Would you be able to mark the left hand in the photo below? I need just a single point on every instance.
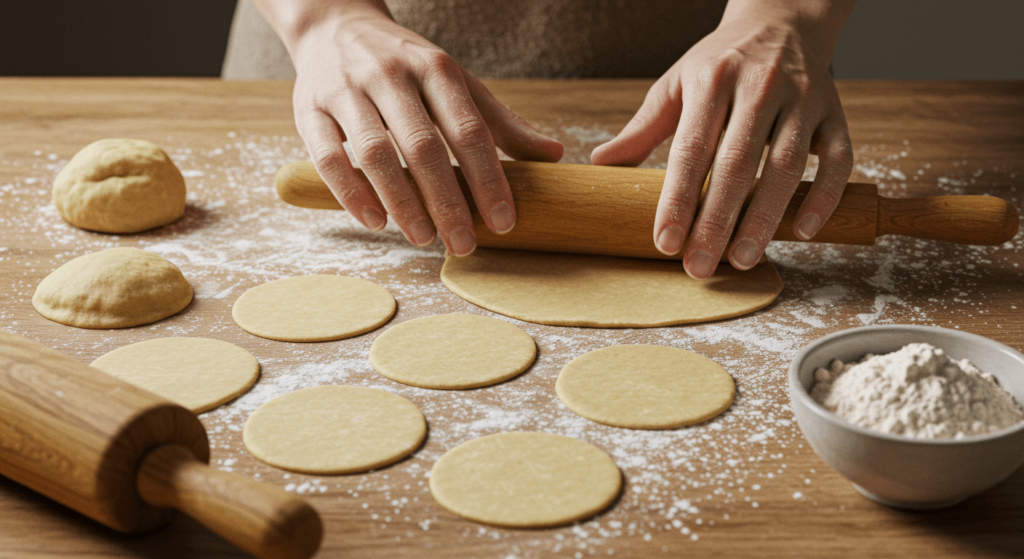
(760, 78)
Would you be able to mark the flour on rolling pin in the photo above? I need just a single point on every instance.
(918, 392)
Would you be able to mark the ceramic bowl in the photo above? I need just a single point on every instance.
(901, 471)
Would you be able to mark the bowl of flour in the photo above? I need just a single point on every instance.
(915, 417)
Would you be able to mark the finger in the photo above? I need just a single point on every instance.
(376, 155)
(783, 169)
(693, 149)
(459, 121)
(731, 179)
(656, 119)
(427, 157)
(513, 135)
(324, 141)
(835, 163)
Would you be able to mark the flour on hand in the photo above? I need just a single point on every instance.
(917, 392)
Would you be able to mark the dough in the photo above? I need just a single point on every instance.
(197, 373)
(120, 186)
(334, 430)
(525, 480)
(604, 291)
(645, 387)
(452, 351)
(313, 308)
(113, 288)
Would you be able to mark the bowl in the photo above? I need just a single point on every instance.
(901, 471)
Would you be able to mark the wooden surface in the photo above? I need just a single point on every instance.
(745, 484)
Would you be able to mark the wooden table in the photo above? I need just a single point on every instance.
(745, 484)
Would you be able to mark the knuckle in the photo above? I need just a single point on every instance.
(762, 223)
(736, 162)
(689, 145)
(373, 150)
(470, 132)
(787, 163)
(422, 145)
(388, 68)
(437, 63)
(716, 226)
(404, 208)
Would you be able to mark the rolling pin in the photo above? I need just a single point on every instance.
(124, 456)
(593, 209)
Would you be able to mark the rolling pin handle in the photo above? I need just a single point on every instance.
(259, 518)
(975, 220)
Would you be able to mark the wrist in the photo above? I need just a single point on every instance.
(294, 20)
(816, 22)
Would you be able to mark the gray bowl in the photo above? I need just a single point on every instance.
(901, 471)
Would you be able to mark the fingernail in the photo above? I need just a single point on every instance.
(422, 233)
(808, 226)
(744, 256)
(502, 218)
(374, 219)
(670, 240)
(701, 265)
(462, 241)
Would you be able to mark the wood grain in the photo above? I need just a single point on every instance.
(958, 139)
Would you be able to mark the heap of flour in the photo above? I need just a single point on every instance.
(917, 392)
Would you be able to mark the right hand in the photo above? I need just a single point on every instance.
(360, 74)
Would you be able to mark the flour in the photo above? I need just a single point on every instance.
(917, 391)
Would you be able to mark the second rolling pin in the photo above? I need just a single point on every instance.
(592, 209)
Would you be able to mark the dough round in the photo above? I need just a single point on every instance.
(525, 480)
(120, 186)
(197, 373)
(604, 291)
(113, 288)
(334, 430)
(645, 387)
(452, 351)
(313, 308)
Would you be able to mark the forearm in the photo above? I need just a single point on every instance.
(817, 22)
(291, 19)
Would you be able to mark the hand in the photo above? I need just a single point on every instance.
(361, 74)
(761, 77)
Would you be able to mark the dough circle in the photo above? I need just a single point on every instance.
(604, 291)
(452, 351)
(525, 480)
(313, 308)
(113, 288)
(120, 186)
(197, 373)
(334, 430)
(645, 387)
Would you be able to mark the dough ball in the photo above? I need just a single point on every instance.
(197, 373)
(334, 430)
(645, 387)
(452, 351)
(113, 288)
(316, 308)
(525, 480)
(120, 186)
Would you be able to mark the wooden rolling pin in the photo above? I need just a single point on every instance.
(610, 210)
(124, 456)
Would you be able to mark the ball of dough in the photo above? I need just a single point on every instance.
(120, 186)
(113, 288)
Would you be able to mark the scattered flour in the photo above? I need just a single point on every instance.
(918, 392)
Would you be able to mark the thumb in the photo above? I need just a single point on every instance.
(656, 120)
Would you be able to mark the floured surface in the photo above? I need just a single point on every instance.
(198, 373)
(605, 291)
(525, 480)
(452, 351)
(645, 387)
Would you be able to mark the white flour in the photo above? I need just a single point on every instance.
(917, 391)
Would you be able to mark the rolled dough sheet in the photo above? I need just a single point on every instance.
(525, 480)
(645, 387)
(452, 351)
(313, 308)
(334, 430)
(198, 373)
(604, 291)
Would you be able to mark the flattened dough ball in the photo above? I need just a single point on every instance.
(313, 308)
(452, 351)
(645, 387)
(113, 288)
(197, 373)
(525, 480)
(120, 186)
(604, 291)
(334, 430)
